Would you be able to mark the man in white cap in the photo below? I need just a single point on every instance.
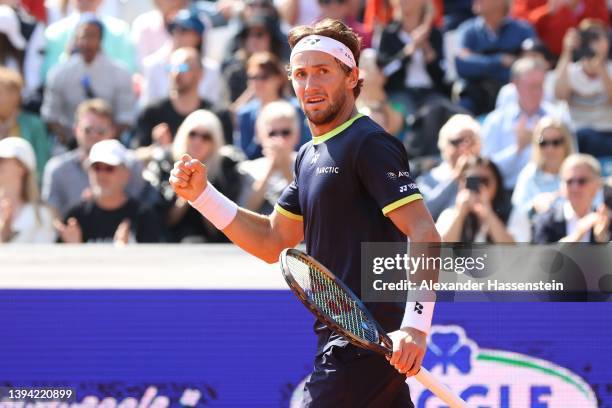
(352, 184)
(110, 215)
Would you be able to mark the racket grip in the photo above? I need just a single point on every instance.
(440, 390)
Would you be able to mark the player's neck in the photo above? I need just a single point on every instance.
(344, 115)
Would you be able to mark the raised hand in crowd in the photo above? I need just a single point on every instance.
(161, 135)
(6, 220)
(70, 232)
(122, 235)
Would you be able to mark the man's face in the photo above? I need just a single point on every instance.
(88, 41)
(87, 5)
(530, 89)
(320, 85)
(280, 133)
(92, 128)
(336, 9)
(579, 185)
(462, 143)
(184, 37)
(11, 99)
(185, 72)
(484, 7)
(107, 181)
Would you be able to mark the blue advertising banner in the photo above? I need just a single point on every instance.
(252, 348)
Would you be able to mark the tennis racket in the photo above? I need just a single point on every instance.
(332, 302)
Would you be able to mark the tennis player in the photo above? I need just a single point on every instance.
(352, 185)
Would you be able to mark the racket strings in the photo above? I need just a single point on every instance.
(332, 299)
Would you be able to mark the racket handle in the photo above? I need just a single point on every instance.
(440, 390)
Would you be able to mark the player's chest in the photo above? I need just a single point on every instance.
(326, 171)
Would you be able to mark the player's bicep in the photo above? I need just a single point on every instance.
(414, 220)
(288, 231)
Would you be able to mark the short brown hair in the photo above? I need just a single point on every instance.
(11, 79)
(338, 31)
(98, 106)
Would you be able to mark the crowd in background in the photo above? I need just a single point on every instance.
(504, 108)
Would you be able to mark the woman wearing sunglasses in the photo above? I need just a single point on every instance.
(201, 136)
(266, 178)
(482, 212)
(538, 183)
(576, 218)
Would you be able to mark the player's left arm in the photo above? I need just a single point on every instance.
(410, 343)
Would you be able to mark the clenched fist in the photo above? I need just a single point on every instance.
(188, 178)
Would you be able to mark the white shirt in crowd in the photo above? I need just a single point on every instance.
(28, 229)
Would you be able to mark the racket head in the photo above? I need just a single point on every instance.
(332, 302)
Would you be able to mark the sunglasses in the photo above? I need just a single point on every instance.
(103, 168)
(458, 142)
(257, 33)
(203, 136)
(579, 181)
(284, 133)
(97, 130)
(261, 77)
(328, 2)
(551, 142)
(178, 68)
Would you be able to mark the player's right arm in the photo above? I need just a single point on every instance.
(261, 235)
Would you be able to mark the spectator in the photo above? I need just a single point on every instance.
(278, 132)
(538, 183)
(298, 12)
(12, 43)
(200, 136)
(373, 100)
(586, 85)
(16, 122)
(575, 219)
(455, 13)
(259, 33)
(65, 181)
(149, 30)
(186, 30)
(342, 10)
(23, 218)
(532, 48)
(507, 132)
(159, 121)
(115, 43)
(410, 55)
(21, 48)
(489, 45)
(109, 215)
(552, 18)
(458, 141)
(481, 212)
(87, 74)
(267, 82)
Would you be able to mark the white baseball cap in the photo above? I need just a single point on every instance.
(20, 149)
(9, 25)
(110, 152)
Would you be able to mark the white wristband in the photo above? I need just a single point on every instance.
(418, 315)
(216, 207)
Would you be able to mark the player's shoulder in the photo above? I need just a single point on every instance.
(368, 133)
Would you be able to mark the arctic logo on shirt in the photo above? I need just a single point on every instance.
(328, 170)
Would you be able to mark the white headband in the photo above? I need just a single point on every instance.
(327, 45)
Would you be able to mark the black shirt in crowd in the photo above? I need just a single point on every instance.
(99, 225)
(162, 111)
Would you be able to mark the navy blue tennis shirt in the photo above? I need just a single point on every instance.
(346, 182)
